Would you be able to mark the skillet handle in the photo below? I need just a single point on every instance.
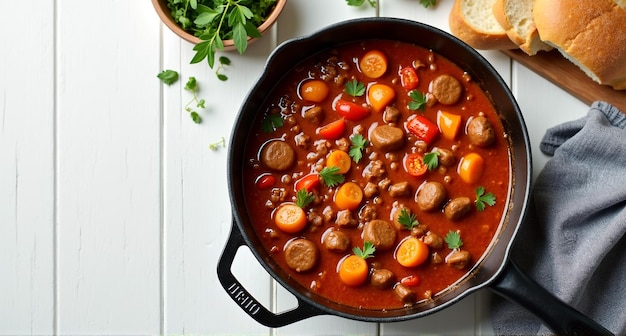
(555, 314)
(245, 300)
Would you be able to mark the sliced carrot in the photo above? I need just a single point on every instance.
(373, 64)
(348, 196)
(290, 218)
(380, 96)
(353, 270)
(471, 168)
(412, 252)
(449, 124)
(314, 90)
(339, 159)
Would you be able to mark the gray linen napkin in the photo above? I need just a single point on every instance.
(572, 241)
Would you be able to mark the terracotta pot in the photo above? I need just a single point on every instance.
(164, 13)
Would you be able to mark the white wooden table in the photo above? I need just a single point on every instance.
(113, 209)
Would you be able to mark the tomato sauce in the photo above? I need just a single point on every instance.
(283, 118)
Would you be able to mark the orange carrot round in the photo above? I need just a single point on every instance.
(353, 270)
(314, 91)
(290, 218)
(373, 64)
(339, 159)
(412, 252)
(471, 167)
(380, 95)
(348, 196)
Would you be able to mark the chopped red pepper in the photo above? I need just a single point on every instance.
(423, 129)
(308, 182)
(265, 181)
(408, 78)
(333, 130)
(350, 110)
(410, 280)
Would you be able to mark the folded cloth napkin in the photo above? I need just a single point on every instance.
(572, 241)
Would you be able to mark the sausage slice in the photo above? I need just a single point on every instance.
(278, 155)
(387, 138)
(381, 233)
(457, 208)
(480, 131)
(446, 89)
(431, 196)
(301, 254)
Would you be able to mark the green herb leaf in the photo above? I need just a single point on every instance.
(453, 239)
(428, 3)
(432, 160)
(191, 84)
(216, 145)
(195, 117)
(168, 76)
(407, 219)
(367, 251)
(358, 3)
(355, 88)
(303, 198)
(224, 60)
(271, 122)
(331, 177)
(358, 145)
(483, 199)
(418, 101)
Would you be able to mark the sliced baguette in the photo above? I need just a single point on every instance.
(516, 17)
(473, 22)
(591, 34)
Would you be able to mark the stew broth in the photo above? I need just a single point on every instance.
(287, 118)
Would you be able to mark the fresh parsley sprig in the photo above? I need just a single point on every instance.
(168, 77)
(407, 219)
(358, 3)
(304, 198)
(453, 239)
(192, 86)
(358, 144)
(483, 199)
(331, 176)
(272, 122)
(367, 251)
(355, 88)
(431, 159)
(418, 100)
(216, 145)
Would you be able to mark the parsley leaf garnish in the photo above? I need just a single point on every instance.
(168, 77)
(192, 85)
(482, 199)
(357, 147)
(355, 88)
(428, 3)
(418, 101)
(303, 198)
(214, 146)
(367, 251)
(432, 160)
(331, 177)
(407, 219)
(453, 239)
(271, 122)
(358, 3)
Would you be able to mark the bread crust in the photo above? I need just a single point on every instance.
(474, 36)
(519, 25)
(591, 34)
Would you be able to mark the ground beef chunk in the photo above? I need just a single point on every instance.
(374, 170)
(302, 140)
(380, 233)
(457, 208)
(314, 114)
(391, 114)
(343, 144)
(301, 254)
(480, 131)
(433, 240)
(458, 259)
(446, 157)
(446, 89)
(387, 138)
(370, 190)
(382, 278)
(336, 241)
(400, 189)
(315, 221)
(367, 213)
(404, 293)
(278, 155)
(345, 219)
(431, 196)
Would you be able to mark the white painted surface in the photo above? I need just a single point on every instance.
(113, 210)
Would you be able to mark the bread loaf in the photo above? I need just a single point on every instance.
(591, 34)
(516, 17)
(473, 22)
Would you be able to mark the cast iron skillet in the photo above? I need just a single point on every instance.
(493, 270)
